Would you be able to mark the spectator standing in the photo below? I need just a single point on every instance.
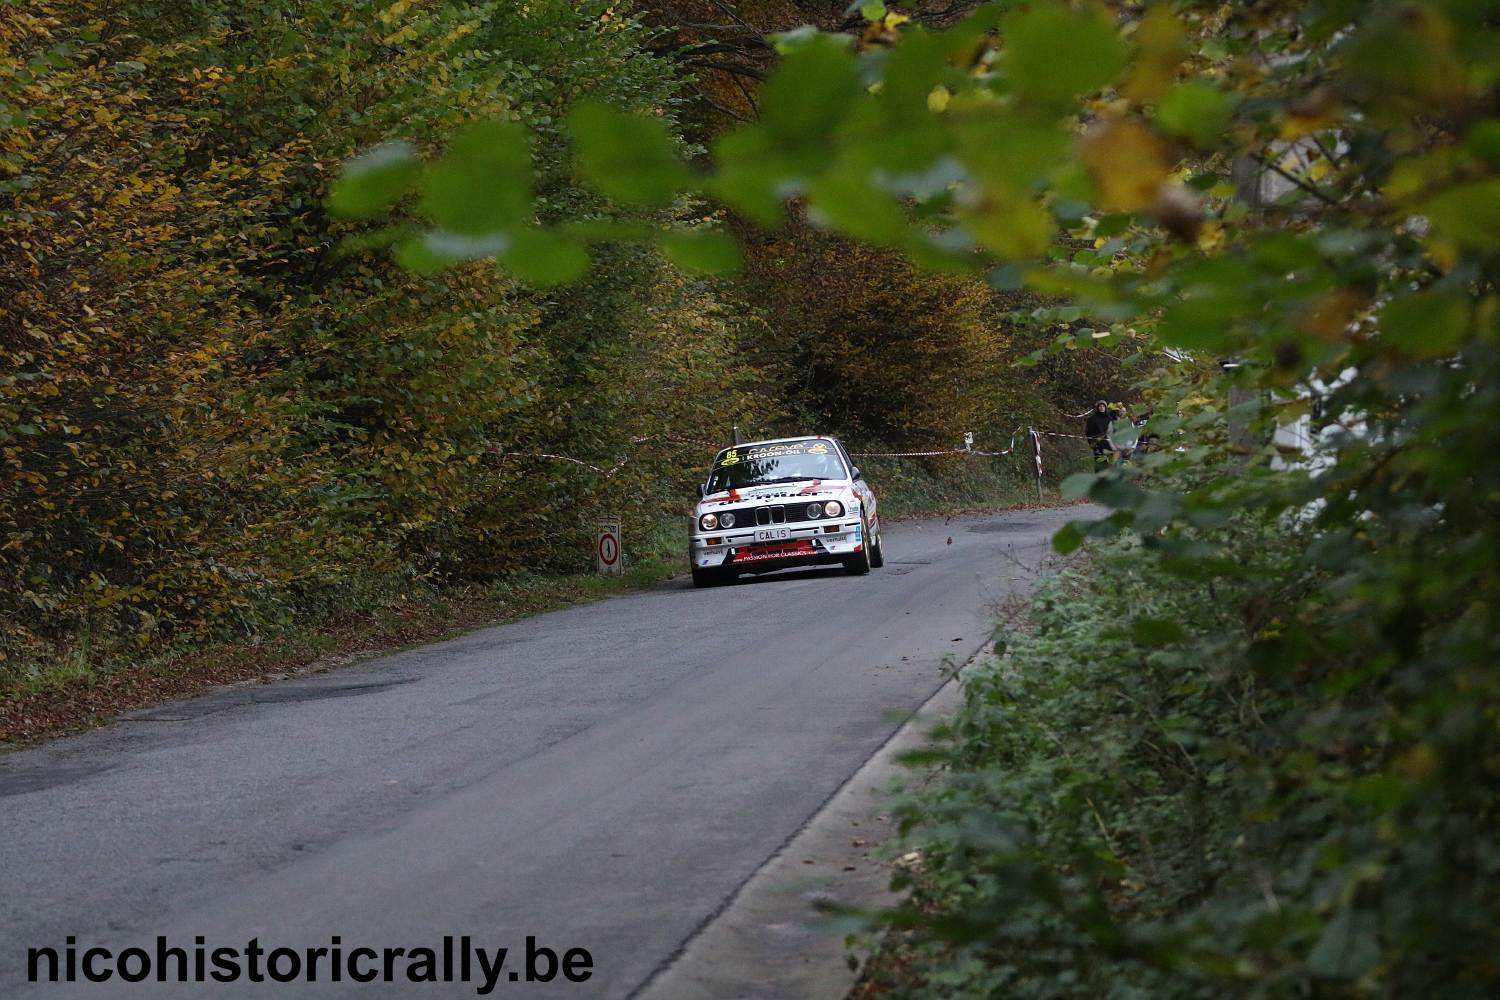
(1096, 429)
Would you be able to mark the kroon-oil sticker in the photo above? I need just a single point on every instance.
(734, 455)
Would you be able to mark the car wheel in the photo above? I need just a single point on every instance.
(859, 563)
(877, 552)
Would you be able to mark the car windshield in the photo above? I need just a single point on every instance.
(764, 465)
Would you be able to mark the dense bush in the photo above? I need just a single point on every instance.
(1131, 808)
(210, 414)
(1093, 792)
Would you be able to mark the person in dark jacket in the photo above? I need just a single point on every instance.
(1144, 443)
(1096, 429)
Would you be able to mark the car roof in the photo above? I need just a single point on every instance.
(782, 440)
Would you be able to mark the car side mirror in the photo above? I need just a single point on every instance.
(701, 491)
(858, 474)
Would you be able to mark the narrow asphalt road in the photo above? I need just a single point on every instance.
(602, 777)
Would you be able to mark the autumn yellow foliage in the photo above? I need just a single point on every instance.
(213, 414)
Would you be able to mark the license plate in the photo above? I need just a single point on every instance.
(772, 534)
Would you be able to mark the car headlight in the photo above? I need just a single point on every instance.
(726, 520)
(708, 522)
(833, 508)
(814, 510)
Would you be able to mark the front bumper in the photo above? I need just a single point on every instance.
(813, 544)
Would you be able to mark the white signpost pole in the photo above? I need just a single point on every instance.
(1036, 447)
(607, 554)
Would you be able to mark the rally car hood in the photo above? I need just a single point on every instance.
(777, 493)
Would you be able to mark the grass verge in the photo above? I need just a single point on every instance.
(960, 483)
(93, 683)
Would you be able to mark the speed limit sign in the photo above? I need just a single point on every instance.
(607, 546)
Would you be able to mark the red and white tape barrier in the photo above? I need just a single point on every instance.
(609, 471)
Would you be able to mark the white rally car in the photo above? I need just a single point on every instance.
(769, 505)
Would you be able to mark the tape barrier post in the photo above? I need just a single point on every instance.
(1036, 446)
(607, 555)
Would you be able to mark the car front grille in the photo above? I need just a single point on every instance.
(774, 514)
(777, 513)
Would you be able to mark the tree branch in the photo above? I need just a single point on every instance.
(738, 116)
(726, 67)
(1307, 186)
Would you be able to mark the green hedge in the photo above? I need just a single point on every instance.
(1132, 806)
